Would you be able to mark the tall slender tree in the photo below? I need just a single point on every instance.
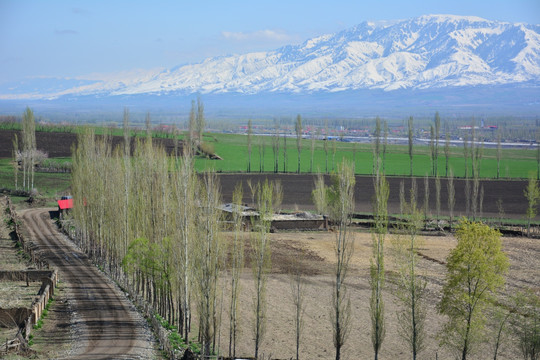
(411, 139)
(298, 130)
(377, 278)
(337, 201)
(411, 286)
(385, 145)
(325, 143)
(437, 135)
(268, 199)
(432, 155)
(377, 161)
(200, 120)
(499, 154)
(15, 154)
(28, 148)
(249, 143)
(208, 251)
(237, 264)
(447, 149)
(192, 126)
(451, 196)
(314, 136)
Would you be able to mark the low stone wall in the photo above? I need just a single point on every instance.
(48, 280)
(27, 317)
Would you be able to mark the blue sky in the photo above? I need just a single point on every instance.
(71, 38)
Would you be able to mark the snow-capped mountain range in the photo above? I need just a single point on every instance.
(432, 51)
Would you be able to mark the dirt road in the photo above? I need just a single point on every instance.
(105, 324)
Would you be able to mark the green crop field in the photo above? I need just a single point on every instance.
(233, 149)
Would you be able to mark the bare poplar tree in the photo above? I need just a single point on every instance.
(261, 154)
(192, 126)
(538, 155)
(380, 215)
(275, 145)
(402, 200)
(447, 150)
(410, 133)
(411, 287)
(249, 142)
(377, 147)
(185, 185)
(208, 252)
(148, 126)
(284, 153)
(467, 182)
(319, 196)
(451, 196)
(499, 153)
(237, 264)
(325, 143)
(200, 122)
(298, 130)
(354, 153)
(298, 299)
(313, 137)
(29, 148)
(267, 197)
(334, 149)
(438, 196)
(426, 198)
(437, 135)
(15, 154)
(341, 207)
(385, 145)
(432, 149)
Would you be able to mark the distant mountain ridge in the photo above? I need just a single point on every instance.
(432, 51)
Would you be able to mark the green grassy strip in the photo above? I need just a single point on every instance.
(515, 163)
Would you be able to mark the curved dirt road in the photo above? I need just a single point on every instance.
(106, 324)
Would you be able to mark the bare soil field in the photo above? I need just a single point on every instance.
(297, 193)
(315, 254)
(58, 144)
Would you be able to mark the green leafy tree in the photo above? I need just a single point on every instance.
(475, 272)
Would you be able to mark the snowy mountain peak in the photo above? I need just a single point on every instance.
(430, 51)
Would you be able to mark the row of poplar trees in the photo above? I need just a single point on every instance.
(156, 226)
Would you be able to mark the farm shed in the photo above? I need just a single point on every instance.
(296, 221)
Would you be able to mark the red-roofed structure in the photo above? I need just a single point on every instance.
(65, 204)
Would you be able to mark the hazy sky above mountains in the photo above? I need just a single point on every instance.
(71, 38)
